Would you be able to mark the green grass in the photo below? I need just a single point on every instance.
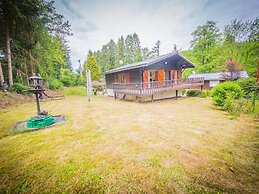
(78, 91)
(107, 146)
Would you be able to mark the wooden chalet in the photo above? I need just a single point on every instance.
(151, 79)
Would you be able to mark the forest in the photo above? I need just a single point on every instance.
(33, 40)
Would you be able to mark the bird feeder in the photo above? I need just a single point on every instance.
(42, 119)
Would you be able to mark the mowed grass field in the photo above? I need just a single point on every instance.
(107, 146)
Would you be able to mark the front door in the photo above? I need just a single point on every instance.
(174, 76)
(152, 77)
(167, 77)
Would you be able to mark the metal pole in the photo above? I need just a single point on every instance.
(89, 84)
(80, 70)
(38, 103)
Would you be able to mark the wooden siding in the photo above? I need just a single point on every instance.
(127, 77)
(160, 77)
(145, 76)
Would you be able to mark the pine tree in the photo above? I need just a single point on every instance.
(156, 49)
(120, 52)
(129, 49)
(136, 48)
(92, 65)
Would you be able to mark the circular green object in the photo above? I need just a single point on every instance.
(40, 121)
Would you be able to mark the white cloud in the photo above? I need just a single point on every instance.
(94, 23)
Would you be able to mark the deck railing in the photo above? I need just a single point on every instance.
(150, 88)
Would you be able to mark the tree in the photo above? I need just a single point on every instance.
(145, 53)
(236, 31)
(35, 33)
(129, 53)
(232, 70)
(176, 49)
(91, 64)
(204, 38)
(136, 48)
(111, 54)
(120, 52)
(155, 49)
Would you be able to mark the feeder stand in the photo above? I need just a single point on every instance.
(43, 119)
(37, 83)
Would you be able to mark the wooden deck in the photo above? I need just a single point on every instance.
(149, 89)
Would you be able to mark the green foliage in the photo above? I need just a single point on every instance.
(19, 88)
(224, 90)
(66, 77)
(205, 37)
(196, 93)
(75, 91)
(236, 107)
(38, 39)
(124, 51)
(239, 42)
(247, 85)
(91, 64)
(55, 84)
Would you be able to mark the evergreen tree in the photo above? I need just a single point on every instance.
(120, 52)
(91, 64)
(155, 49)
(111, 55)
(129, 53)
(136, 48)
(145, 52)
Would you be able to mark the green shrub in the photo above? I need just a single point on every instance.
(235, 107)
(67, 81)
(247, 85)
(194, 93)
(55, 84)
(19, 88)
(227, 89)
(207, 93)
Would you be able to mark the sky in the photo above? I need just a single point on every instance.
(95, 22)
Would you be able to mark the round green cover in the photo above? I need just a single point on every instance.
(40, 121)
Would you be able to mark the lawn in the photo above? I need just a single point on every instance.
(107, 146)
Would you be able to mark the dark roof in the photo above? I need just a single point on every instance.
(96, 83)
(149, 62)
(218, 75)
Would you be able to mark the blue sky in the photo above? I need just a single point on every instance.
(95, 22)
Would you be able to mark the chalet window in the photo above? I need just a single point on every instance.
(121, 78)
(152, 76)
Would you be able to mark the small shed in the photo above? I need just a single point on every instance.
(213, 79)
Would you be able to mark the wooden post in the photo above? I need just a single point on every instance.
(201, 87)
(176, 94)
(152, 97)
(115, 96)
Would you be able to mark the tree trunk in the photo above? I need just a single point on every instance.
(1, 75)
(8, 54)
(31, 63)
(26, 73)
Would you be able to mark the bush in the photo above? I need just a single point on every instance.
(235, 107)
(225, 90)
(198, 93)
(66, 80)
(207, 93)
(19, 88)
(55, 84)
(247, 85)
